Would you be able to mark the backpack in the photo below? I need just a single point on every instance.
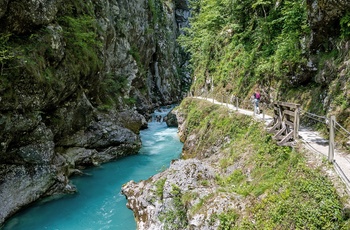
(257, 95)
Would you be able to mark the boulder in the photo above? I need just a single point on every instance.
(171, 119)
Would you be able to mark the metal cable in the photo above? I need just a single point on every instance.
(342, 174)
(314, 118)
(335, 127)
(314, 115)
(309, 115)
(346, 131)
(313, 148)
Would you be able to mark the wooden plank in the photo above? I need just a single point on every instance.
(286, 138)
(288, 112)
(287, 104)
(296, 124)
(285, 123)
(277, 125)
(279, 133)
(289, 123)
(271, 123)
(331, 139)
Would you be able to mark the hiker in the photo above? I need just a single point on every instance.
(256, 101)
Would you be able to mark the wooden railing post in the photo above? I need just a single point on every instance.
(263, 111)
(331, 139)
(296, 122)
(254, 106)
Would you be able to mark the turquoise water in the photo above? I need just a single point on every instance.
(99, 203)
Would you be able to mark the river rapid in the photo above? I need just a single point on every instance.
(99, 203)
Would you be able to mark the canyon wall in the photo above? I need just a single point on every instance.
(78, 80)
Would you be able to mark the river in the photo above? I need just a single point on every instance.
(99, 203)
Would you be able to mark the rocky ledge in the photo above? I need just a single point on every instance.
(158, 203)
(40, 166)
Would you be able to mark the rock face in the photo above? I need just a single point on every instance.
(171, 119)
(77, 79)
(324, 22)
(155, 201)
(324, 17)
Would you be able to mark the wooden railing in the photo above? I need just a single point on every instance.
(285, 123)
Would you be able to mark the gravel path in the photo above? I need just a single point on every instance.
(312, 140)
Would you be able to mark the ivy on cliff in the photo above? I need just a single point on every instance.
(345, 25)
(5, 50)
(82, 43)
(6, 55)
(71, 42)
(245, 42)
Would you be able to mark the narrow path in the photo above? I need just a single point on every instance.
(312, 141)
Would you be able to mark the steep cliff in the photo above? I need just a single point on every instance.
(77, 79)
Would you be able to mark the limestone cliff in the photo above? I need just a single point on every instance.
(324, 17)
(77, 79)
(327, 48)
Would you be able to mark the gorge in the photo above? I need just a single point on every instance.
(79, 79)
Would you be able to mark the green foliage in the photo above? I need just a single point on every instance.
(160, 187)
(134, 52)
(6, 53)
(26, 58)
(32, 58)
(307, 201)
(153, 9)
(345, 26)
(112, 89)
(114, 84)
(280, 189)
(228, 219)
(76, 7)
(82, 43)
(210, 122)
(245, 42)
(7, 58)
(198, 205)
(175, 218)
(156, 9)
